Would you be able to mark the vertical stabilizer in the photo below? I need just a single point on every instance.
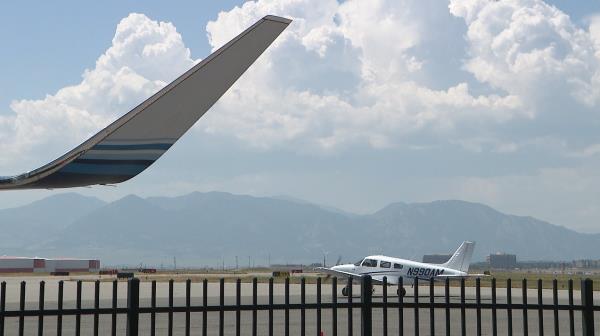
(461, 259)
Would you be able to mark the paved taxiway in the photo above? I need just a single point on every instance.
(51, 287)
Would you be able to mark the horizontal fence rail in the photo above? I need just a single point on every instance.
(443, 309)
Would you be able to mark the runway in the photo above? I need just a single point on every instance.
(51, 292)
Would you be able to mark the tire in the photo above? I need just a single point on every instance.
(345, 291)
(401, 292)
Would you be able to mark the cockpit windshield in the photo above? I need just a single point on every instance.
(369, 263)
(358, 262)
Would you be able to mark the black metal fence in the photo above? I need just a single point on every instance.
(445, 310)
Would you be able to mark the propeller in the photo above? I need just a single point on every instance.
(338, 262)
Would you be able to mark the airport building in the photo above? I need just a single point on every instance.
(436, 258)
(502, 260)
(44, 265)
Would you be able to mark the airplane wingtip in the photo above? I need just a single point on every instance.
(278, 19)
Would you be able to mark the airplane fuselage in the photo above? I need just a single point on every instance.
(379, 266)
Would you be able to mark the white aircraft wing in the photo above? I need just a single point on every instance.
(378, 279)
(133, 142)
(337, 273)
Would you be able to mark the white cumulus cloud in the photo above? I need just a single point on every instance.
(343, 73)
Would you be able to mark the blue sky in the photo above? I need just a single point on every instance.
(492, 102)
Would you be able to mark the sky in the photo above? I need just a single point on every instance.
(357, 104)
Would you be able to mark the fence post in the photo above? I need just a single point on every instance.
(133, 305)
(366, 312)
(587, 303)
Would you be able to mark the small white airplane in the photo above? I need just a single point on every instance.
(379, 266)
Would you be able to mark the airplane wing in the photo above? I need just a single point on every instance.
(377, 279)
(135, 141)
(337, 273)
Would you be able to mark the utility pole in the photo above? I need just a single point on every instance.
(248, 262)
(174, 262)
(236, 263)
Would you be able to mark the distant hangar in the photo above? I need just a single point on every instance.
(43, 265)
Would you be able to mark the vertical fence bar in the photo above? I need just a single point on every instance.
(478, 302)
(2, 306)
(318, 306)
(385, 307)
(96, 306)
(271, 306)
(494, 313)
(366, 311)
(524, 294)
(170, 313)
(238, 303)
(334, 306)
(571, 309)
(416, 285)
(587, 305)
(540, 308)
(350, 322)
(509, 321)
(555, 302)
(113, 322)
(431, 308)
(400, 291)
(133, 305)
(153, 305)
(78, 304)
(463, 323)
(60, 308)
(287, 306)
(22, 309)
(205, 306)
(221, 307)
(254, 304)
(41, 308)
(447, 302)
(302, 304)
(188, 303)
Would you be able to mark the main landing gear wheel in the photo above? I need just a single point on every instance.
(401, 292)
(345, 291)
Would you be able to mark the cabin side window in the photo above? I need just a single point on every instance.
(398, 266)
(369, 263)
(385, 264)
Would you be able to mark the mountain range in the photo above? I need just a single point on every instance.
(215, 228)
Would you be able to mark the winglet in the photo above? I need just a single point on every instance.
(132, 143)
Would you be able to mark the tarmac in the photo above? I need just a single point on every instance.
(409, 325)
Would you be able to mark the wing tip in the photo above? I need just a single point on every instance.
(278, 19)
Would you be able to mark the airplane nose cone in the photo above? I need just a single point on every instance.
(343, 268)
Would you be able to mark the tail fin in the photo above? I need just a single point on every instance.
(461, 259)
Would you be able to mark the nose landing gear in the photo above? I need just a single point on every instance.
(401, 291)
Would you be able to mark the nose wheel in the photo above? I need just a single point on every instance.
(345, 291)
(401, 291)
